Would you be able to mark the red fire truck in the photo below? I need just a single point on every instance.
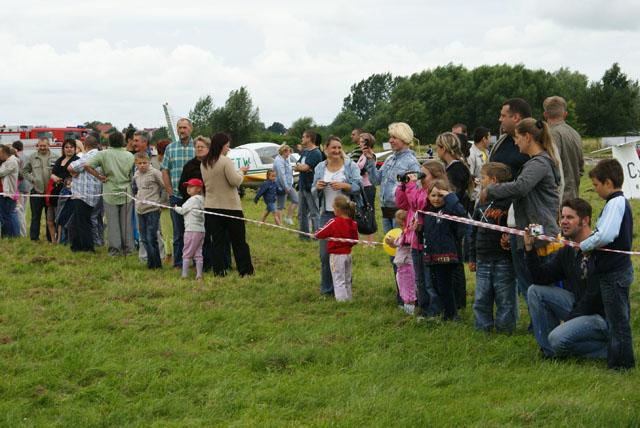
(28, 134)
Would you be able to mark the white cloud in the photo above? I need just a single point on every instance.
(120, 62)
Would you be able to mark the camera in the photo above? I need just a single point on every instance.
(404, 178)
(536, 230)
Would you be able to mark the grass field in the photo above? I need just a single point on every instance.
(88, 340)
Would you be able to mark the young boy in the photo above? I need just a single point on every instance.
(495, 277)
(269, 191)
(150, 188)
(614, 270)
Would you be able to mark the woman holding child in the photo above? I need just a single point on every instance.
(338, 175)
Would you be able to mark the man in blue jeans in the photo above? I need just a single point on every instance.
(176, 155)
(569, 320)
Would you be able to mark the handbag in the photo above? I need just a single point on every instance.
(365, 215)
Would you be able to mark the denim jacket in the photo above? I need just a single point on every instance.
(396, 164)
(352, 175)
(284, 173)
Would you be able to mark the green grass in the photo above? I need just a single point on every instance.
(88, 340)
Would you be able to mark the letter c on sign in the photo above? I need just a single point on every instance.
(632, 169)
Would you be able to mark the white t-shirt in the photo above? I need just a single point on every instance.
(329, 193)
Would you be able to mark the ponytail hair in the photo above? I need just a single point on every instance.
(539, 131)
(346, 206)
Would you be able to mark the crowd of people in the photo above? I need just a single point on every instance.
(578, 298)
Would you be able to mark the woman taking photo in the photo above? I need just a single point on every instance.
(284, 178)
(367, 141)
(535, 193)
(221, 180)
(338, 175)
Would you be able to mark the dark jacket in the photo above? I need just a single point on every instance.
(441, 236)
(485, 243)
(268, 190)
(506, 151)
(190, 170)
(566, 266)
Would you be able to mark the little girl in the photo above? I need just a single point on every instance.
(193, 227)
(341, 226)
(441, 240)
(405, 275)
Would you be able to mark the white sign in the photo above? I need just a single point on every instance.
(628, 157)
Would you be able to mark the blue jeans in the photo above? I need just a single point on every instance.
(178, 231)
(149, 224)
(614, 287)
(547, 306)
(428, 300)
(495, 283)
(9, 218)
(326, 281)
(308, 210)
(584, 336)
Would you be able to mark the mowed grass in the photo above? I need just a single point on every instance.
(88, 340)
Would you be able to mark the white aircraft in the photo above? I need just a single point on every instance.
(627, 155)
(259, 158)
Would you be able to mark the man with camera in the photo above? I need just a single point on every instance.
(568, 320)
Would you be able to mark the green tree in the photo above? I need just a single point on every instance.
(238, 117)
(201, 116)
(300, 125)
(159, 134)
(277, 128)
(368, 94)
(611, 106)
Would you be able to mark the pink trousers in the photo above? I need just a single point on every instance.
(193, 246)
(406, 278)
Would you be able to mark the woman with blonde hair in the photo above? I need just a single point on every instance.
(284, 178)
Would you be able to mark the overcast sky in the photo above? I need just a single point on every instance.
(67, 62)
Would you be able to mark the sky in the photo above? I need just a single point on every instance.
(69, 62)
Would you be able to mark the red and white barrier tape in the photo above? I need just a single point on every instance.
(464, 220)
(514, 231)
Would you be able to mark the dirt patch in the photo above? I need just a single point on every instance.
(42, 259)
(5, 340)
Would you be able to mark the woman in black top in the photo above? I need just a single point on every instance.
(449, 152)
(192, 168)
(59, 171)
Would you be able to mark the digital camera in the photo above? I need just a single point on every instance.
(404, 178)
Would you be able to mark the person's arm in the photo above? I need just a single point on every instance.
(526, 181)
(453, 205)
(27, 170)
(608, 226)
(325, 231)
(91, 165)
(8, 168)
(233, 177)
(279, 167)
(550, 271)
(354, 178)
(186, 207)
(375, 175)
(165, 167)
(263, 188)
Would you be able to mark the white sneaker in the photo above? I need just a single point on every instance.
(288, 220)
(409, 308)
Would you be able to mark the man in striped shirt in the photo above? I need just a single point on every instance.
(85, 196)
(176, 155)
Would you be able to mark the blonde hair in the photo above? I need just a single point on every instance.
(436, 169)
(79, 146)
(344, 205)
(440, 185)
(282, 148)
(539, 131)
(401, 216)
(555, 107)
(450, 143)
(401, 131)
(205, 140)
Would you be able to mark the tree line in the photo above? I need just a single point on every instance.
(431, 101)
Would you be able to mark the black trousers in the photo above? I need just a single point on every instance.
(81, 229)
(222, 230)
(37, 204)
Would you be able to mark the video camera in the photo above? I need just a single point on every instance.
(404, 178)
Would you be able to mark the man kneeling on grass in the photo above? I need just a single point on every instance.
(569, 320)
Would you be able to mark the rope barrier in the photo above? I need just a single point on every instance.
(464, 220)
